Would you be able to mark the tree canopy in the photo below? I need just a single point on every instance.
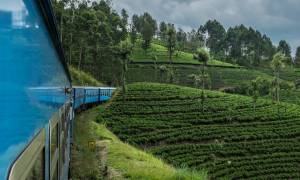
(216, 34)
(297, 57)
(285, 48)
(147, 28)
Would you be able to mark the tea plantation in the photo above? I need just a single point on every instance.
(220, 76)
(231, 139)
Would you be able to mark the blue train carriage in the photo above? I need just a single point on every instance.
(35, 104)
(84, 96)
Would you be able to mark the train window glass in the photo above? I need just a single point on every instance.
(30, 164)
(54, 142)
(61, 150)
(55, 174)
(64, 148)
(38, 170)
(64, 117)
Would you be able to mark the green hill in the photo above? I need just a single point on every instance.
(231, 139)
(221, 77)
(114, 159)
(161, 53)
(81, 78)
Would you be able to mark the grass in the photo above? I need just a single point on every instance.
(232, 138)
(80, 78)
(221, 77)
(122, 161)
(161, 53)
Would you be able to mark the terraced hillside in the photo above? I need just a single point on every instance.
(162, 55)
(230, 140)
(221, 77)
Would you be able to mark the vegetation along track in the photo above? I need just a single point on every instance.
(230, 139)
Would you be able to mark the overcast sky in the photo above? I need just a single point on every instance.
(279, 19)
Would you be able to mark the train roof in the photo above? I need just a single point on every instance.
(90, 87)
(51, 23)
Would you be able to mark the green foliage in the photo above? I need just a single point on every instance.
(89, 33)
(216, 36)
(194, 41)
(163, 31)
(124, 50)
(233, 80)
(285, 49)
(297, 57)
(80, 78)
(262, 85)
(118, 160)
(171, 40)
(202, 56)
(277, 62)
(247, 46)
(133, 34)
(147, 27)
(230, 140)
(162, 70)
(198, 79)
(161, 53)
(181, 39)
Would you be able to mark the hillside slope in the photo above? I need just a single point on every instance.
(231, 139)
(221, 77)
(161, 53)
(80, 78)
(114, 159)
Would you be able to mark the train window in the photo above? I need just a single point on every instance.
(63, 149)
(37, 172)
(31, 163)
(54, 144)
(55, 173)
(54, 140)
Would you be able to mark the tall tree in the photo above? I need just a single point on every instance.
(93, 30)
(247, 46)
(123, 51)
(162, 31)
(133, 34)
(254, 92)
(276, 65)
(181, 39)
(285, 48)
(194, 41)
(136, 22)
(171, 41)
(148, 28)
(203, 57)
(215, 37)
(125, 17)
(297, 57)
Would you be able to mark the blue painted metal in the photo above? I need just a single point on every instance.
(30, 72)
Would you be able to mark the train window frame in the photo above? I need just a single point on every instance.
(53, 158)
(24, 164)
